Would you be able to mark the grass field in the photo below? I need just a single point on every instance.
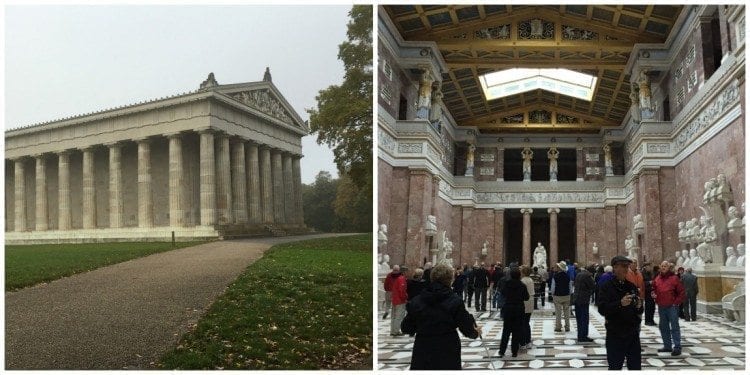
(33, 264)
(304, 305)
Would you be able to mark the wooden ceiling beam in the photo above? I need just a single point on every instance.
(645, 19)
(506, 45)
(505, 63)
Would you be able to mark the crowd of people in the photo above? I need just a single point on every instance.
(430, 303)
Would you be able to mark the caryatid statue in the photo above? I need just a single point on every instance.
(470, 160)
(552, 155)
(436, 112)
(425, 95)
(644, 94)
(540, 256)
(527, 155)
(608, 159)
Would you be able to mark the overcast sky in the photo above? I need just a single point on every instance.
(68, 60)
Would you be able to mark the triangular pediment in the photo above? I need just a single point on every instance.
(265, 98)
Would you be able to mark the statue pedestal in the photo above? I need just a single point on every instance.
(469, 172)
(710, 289)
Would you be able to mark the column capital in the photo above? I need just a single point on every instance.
(146, 139)
(527, 211)
(554, 209)
(87, 148)
(64, 152)
(173, 135)
(206, 129)
(113, 144)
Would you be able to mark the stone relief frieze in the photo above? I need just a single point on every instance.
(446, 156)
(543, 197)
(410, 148)
(593, 170)
(658, 148)
(637, 154)
(487, 157)
(386, 141)
(592, 157)
(264, 102)
(707, 116)
(487, 171)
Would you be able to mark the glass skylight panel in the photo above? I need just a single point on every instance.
(517, 80)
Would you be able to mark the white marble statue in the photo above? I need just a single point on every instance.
(695, 259)
(540, 256)
(679, 260)
(430, 227)
(595, 249)
(527, 155)
(608, 160)
(425, 95)
(638, 224)
(383, 235)
(552, 155)
(484, 247)
(741, 255)
(681, 233)
(723, 192)
(436, 111)
(685, 257)
(644, 91)
(731, 257)
(384, 267)
(695, 231)
(470, 156)
(629, 243)
(709, 189)
(735, 223)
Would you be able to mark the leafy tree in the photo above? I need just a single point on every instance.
(318, 201)
(343, 118)
(353, 205)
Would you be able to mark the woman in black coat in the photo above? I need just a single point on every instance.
(434, 316)
(513, 319)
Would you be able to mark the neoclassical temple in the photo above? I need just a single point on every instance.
(589, 130)
(223, 160)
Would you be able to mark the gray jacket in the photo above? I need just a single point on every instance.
(584, 287)
(690, 282)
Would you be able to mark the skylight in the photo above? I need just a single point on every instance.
(517, 80)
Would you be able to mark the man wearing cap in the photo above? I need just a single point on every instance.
(561, 296)
(621, 307)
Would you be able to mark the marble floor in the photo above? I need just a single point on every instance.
(711, 342)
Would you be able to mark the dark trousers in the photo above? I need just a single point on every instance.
(481, 296)
(460, 294)
(689, 307)
(619, 348)
(582, 320)
(650, 310)
(526, 339)
(469, 296)
(512, 324)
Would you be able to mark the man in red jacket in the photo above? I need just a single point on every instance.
(398, 299)
(669, 293)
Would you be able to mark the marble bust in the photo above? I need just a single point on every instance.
(384, 267)
(595, 249)
(696, 260)
(735, 223)
(731, 257)
(484, 248)
(383, 235)
(722, 192)
(741, 255)
(685, 257)
(679, 259)
(638, 224)
(430, 226)
(681, 233)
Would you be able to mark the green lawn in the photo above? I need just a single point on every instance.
(304, 305)
(33, 264)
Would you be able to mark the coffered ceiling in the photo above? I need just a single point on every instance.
(479, 39)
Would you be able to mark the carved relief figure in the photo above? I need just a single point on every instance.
(709, 188)
(723, 191)
(629, 244)
(527, 155)
(695, 230)
(484, 248)
(595, 249)
(552, 155)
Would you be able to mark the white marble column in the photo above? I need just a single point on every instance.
(223, 181)
(19, 196)
(253, 183)
(176, 210)
(115, 185)
(63, 190)
(266, 184)
(145, 200)
(289, 203)
(208, 179)
(297, 176)
(278, 186)
(42, 218)
(89, 192)
(239, 182)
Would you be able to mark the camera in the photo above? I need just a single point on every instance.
(634, 298)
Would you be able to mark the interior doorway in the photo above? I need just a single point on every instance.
(540, 232)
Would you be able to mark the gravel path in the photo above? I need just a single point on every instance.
(123, 316)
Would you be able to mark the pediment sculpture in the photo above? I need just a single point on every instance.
(263, 101)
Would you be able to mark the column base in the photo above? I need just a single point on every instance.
(156, 234)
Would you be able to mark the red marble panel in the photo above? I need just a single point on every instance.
(397, 215)
(385, 182)
(467, 221)
(668, 199)
(596, 231)
(651, 244)
(499, 243)
(609, 242)
(456, 235)
(420, 205)
(581, 229)
(623, 228)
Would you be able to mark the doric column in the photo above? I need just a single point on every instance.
(288, 189)
(145, 201)
(208, 179)
(526, 248)
(115, 185)
(41, 193)
(278, 186)
(239, 182)
(19, 196)
(253, 183)
(175, 180)
(63, 190)
(266, 184)
(297, 176)
(223, 181)
(89, 192)
(553, 241)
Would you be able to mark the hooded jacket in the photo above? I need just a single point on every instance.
(434, 316)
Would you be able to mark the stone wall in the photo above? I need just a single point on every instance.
(10, 194)
(399, 208)
(385, 183)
